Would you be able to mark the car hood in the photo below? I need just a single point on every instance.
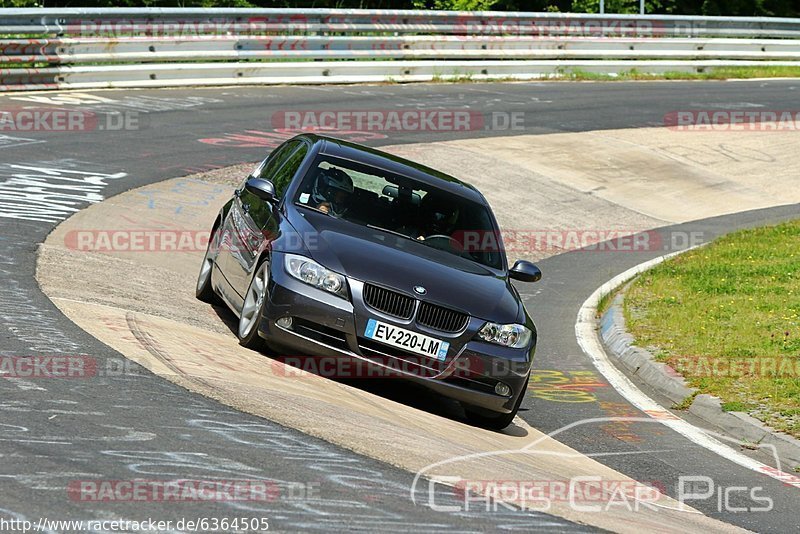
(371, 255)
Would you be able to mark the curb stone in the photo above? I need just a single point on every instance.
(664, 379)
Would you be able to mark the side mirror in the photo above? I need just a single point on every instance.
(525, 271)
(263, 189)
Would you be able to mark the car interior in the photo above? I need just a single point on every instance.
(403, 206)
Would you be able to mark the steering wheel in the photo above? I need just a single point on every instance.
(443, 242)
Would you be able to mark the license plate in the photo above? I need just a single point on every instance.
(407, 340)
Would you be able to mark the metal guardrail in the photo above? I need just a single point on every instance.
(80, 51)
(134, 47)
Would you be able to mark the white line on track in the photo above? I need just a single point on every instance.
(586, 333)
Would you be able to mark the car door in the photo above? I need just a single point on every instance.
(253, 221)
(234, 224)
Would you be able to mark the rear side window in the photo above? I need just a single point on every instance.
(283, 177)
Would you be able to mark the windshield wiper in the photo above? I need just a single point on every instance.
(390, 232)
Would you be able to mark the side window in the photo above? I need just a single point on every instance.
(284, 176)
(274, 161)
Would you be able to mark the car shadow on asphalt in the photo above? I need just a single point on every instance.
(390, 388)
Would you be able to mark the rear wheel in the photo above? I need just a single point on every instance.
(253, 308)
(497, 421)
(204, 291)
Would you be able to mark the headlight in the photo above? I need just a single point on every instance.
(314, 274)
(515, 336)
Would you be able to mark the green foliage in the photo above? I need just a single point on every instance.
(137, 3)
(750, 8)
(625, 6)
(456, 5)
(19, 3)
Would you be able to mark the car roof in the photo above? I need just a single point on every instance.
(389, 162)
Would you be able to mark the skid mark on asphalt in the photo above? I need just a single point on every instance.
(621, 428)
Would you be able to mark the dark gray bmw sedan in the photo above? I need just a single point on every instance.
(335, 250)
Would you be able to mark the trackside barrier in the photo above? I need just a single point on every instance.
(149, 47)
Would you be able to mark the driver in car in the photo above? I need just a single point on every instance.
(332, 192)
(440, 217)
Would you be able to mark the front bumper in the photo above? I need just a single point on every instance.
(327, 326)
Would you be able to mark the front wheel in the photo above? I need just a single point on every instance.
(496, 421)
(204, 291)
(253, 308)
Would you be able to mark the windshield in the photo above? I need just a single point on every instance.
(402, 206)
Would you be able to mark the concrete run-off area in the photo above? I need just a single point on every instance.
(140, 300)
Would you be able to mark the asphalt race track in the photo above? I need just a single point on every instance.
(136, 425)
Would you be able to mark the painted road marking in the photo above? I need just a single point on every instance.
(570, 386)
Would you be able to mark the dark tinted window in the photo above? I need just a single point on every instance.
(402, 206)
(273, 163)
(283, 177)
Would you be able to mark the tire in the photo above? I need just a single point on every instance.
(497, 421)
(252, 309)
(204, 290)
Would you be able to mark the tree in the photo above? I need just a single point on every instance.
(626, 6)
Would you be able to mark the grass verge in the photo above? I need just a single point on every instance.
(727, 317)
(719, 73)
